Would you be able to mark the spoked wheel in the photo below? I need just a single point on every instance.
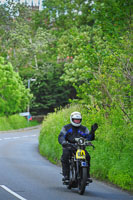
(82, 181)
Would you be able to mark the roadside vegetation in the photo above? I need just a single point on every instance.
(112, 158)
(15, 122)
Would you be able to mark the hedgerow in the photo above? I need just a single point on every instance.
(112, 158)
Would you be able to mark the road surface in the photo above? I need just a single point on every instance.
(26, 175)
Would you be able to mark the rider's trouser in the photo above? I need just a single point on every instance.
(67, 153)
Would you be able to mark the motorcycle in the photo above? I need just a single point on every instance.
(78, 166)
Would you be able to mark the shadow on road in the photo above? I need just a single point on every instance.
(95, 194)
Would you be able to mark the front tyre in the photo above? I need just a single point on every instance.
(82, 181)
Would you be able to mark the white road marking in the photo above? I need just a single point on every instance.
(13, 193)
(25, 136)
(6, 138)
(14, 138)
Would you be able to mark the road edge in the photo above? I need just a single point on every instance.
(23, 129)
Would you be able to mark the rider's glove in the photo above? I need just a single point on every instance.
(94, 127)
(65, 143)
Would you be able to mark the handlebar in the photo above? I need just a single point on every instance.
(83, 142)
(90, 144)
(75, 145)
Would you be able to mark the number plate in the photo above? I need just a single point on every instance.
(84, 164)
(80, 154)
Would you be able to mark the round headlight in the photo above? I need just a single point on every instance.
(81, 141)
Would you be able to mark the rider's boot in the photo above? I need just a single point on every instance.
(65, 178)
(89, 180)
(65, 173)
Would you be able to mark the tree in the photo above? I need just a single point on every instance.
(14, 97)
(64, 14)
(13, 14)
(49, 91)
(113, 16)
(26, 49)
(101, 68)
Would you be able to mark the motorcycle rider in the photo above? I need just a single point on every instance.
(67, 135)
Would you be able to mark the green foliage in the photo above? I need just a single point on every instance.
(32, 51)
(48, 90)
(65, 14)
(14, 97)
(97, 35)
(113, 155)
(113, 16)
(11, 14)
(101, 68)
(15, 122)
(112, 158)
(39, 19)
(25, 49)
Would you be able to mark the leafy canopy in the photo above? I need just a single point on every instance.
(14, 97)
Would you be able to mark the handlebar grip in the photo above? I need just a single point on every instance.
(90, 144)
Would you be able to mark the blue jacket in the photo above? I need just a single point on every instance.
(70, 132)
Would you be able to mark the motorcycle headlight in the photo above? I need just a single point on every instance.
(81, 141)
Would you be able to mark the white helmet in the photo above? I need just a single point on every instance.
(75, 115)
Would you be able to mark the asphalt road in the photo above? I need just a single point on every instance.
(26, 175)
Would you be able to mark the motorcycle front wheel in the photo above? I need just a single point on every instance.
(82, 181)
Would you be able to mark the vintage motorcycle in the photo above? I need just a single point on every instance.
(78, 166)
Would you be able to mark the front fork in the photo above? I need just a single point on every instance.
(79, 165)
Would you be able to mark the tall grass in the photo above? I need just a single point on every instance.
(112, 158)
(15, 122)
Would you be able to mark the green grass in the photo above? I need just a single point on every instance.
(15, 122)
(112, 158)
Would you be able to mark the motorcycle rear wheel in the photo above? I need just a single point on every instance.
(82, 181)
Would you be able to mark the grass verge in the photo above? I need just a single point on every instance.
(15, 122)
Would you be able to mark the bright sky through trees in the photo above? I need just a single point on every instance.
(29, 2)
